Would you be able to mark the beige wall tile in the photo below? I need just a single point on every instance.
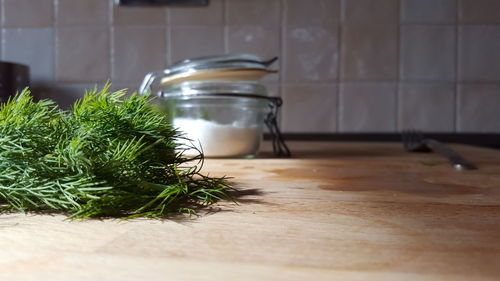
(28, 13)
(367, 107)
(82, 54)
(273, 89)
(479, 11)
(65, 94)
(427, 107)
(369, 53)
(128, 87)
(255, 39)
(428, 53)
(311, 43)
(244, 12)
(370, 11)
(311, 54)
(429, 11)
(213, 14)
(478, 106)
(134, 53)
(34, 47)
(312, 12)
(195, 41)
(309, 108)
(479, 53)
(139, 15)
(78, 12)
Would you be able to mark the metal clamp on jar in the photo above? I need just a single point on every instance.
(218, 105)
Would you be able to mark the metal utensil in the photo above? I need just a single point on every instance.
(414, 141)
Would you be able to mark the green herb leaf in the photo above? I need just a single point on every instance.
(109, 155)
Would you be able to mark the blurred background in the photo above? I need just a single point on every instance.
(345, 66)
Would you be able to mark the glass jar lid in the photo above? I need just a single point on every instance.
(232, 67)
(231, 61)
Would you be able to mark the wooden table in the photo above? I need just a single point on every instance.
(336, 211)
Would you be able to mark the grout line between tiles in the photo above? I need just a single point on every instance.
(340, 108)
(168, 37)
(55, 10)
(281, 80)
(168, 16)
(111, 41)
(280, 58)
(111, 31)
(339, 64)
(341, 11)
(2, 13)
(55, 26)
(457, 58)
(225, 26)
(3, 43)
(398, 70)
(283, 32)
(56, 41)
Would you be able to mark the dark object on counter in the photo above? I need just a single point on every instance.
(161, 2)
(14, 78)
(414, 141)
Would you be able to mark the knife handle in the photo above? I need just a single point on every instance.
(456, 159)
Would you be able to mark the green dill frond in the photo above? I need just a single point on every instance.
(109, 155)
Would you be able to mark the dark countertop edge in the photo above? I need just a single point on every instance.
(478, 139)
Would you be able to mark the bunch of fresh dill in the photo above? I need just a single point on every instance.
(109, 155)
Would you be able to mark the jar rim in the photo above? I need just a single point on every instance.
(214, 88)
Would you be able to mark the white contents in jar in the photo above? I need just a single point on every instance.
(218, 140)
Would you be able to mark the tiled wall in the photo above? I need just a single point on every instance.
(346, 65)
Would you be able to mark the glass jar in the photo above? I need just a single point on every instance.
(220, 119)
(217, 104)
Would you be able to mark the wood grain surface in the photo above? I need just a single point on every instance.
(336, 211)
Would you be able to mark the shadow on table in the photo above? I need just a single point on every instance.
(238, 196)
(339, 150)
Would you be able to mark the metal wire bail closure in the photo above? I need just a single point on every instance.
(280, 148)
